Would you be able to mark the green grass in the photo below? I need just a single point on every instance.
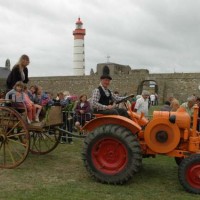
(154, 108)
(61, 175)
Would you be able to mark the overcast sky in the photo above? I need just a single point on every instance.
(162, 36)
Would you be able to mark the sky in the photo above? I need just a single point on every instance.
(162, 36)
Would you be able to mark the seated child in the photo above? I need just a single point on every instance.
(18, 96)
(32, 92)
(63, 101)
(42, 98)
(31, 95)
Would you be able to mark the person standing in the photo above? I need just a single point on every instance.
(82, 110)
(174, 103)
(152, 99)
(156, 100)
(19, 72)
(198, 120)
(141, 105)
(166, 106)
(188, 106)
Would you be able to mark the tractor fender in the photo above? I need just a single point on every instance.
(112, 119)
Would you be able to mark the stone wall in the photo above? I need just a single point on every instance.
(85, 84)
(180, 85)
(114, 68)
(2, 84)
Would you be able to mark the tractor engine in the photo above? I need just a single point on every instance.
(163, 133)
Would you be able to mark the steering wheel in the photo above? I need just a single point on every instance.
(125, 99)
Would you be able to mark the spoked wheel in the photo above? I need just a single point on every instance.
(14, 138)
(189, 174)
(112, 154)
(43, 142)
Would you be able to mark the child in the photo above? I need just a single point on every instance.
(31, 109)
(18, 96)
(31, 92)
(32, 95)
(66, 95)
(82, 110)
(63, 101)
(42, 98)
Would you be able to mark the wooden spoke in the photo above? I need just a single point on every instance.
(11, 155)
(13, 128)
(4, 154)
(50, 138)
(14, 138)
(1, 145)
(16, 134)
(19, 154)
(16, 142)
(44, 142)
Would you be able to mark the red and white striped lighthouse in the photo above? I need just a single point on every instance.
(79, 53)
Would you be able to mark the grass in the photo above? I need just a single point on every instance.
(154, 108)
(61, 175)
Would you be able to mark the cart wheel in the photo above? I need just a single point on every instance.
(14, 138)
(43, 142)
(189, 174)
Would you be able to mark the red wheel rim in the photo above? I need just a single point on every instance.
(109, 156)
(193, 175)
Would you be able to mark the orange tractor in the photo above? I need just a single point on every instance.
(115, 146)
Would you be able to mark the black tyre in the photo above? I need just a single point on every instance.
(178, 160)
(189, 174)
(112, 154)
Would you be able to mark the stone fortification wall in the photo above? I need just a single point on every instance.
(180, 85)
(85, 84)
(2, 83)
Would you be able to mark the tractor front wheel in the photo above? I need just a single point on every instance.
(178, 160)
(112, 154)
(189, 174)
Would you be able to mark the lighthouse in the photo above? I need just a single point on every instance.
(79, 53)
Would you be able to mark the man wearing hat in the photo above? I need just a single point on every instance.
(102, 99)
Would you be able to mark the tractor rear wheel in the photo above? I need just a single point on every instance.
(189, 174)
(112, 154)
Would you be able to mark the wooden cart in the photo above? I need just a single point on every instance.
(17, 137)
